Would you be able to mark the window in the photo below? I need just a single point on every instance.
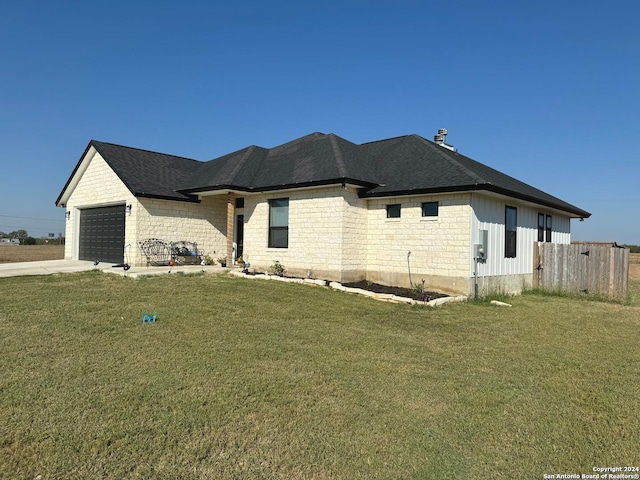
(393, 211)
(541, 227)
(240, 202)
(544, 228)
(511, 225)
(279, 223)
(548, 228)
(430, 209)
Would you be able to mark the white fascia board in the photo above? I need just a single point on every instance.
(77, 175)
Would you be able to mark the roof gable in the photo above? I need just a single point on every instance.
(144, 173)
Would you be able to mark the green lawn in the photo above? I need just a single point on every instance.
(255, 379)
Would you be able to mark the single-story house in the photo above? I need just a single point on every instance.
(9, 241)
(322, 206)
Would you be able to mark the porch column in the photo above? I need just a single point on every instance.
(231, 210)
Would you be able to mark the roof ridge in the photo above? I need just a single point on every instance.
(342, 167)
(241, 162)
(297, 140)
(438, 150)
(385, 139)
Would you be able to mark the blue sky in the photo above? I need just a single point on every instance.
(545, 91)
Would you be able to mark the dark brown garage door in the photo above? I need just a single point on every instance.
(102, 234)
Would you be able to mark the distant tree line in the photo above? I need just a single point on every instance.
(15, 234)
(633, 248)
(26, 239)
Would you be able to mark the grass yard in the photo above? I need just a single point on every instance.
(30, 253)
(255, 379)
(634, 266)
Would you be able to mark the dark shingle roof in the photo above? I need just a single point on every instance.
(148, 174)
(311, 160)
(412, 164)
(144, 173)
(397, 166)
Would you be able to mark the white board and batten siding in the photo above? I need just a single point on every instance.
(489, 214)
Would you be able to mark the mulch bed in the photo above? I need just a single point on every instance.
(377, 288)
(399, 291)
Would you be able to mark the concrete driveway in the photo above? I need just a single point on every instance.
(48, 267)
(44, 267)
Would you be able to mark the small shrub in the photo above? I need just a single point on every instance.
(277, 268)
(420, 290)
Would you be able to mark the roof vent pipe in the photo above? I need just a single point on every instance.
(441, 137)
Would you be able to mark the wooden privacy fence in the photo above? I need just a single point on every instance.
(582, 267)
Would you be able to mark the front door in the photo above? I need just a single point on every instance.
(239, 235)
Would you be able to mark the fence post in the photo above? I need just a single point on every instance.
(612, 273)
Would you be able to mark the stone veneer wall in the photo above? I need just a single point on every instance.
(439, 245)
(326, 233)
(335, 235)
(99, 186)
(354, 237)
(203, 223)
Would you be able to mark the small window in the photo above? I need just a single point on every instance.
(279, 223)
(548, 238)
(430, 209)
(510, 230)
(393, 211)
(541, 227)
(240, 202)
